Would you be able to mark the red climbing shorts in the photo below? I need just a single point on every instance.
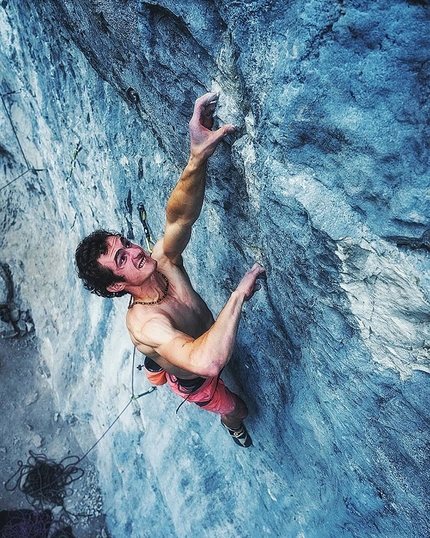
(156, 378)
(212, 396)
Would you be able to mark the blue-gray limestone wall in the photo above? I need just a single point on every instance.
(328, 167)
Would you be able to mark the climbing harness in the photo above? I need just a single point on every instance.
(142, 217)
(45, 482)
(191, 386)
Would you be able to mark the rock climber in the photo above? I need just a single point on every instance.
(167, 319)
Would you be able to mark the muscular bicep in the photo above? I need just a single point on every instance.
(168, 342)
(203, 356)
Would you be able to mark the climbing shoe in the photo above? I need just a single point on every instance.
(240, 436)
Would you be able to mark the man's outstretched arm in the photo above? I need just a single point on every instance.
(208, 354)
(185, 203)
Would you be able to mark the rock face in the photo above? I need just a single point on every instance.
(326, 176)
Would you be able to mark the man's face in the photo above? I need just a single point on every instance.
(127, 260)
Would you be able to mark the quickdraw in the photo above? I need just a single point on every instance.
(142, 217)
(73, 161)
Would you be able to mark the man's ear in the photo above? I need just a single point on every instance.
(116, 287)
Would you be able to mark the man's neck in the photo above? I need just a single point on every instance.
(153, 291)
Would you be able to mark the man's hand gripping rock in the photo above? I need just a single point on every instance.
(249, 285)
(203, 140)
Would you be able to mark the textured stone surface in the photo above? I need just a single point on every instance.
(327, 170)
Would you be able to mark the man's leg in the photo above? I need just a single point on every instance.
(233, 423)
(233, 420)
(215, 397)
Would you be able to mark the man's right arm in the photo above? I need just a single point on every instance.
(185, 202)
(207, 355)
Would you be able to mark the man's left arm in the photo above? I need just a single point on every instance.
(206, 355)
(186, 200)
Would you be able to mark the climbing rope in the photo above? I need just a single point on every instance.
(132, 399)
(45, 482)
(27, 524)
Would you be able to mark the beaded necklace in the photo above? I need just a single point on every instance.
(132, 302)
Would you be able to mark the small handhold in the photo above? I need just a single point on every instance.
(133, 96)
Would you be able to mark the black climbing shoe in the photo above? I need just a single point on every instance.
(240, 436)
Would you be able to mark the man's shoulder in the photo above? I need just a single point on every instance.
(138, 317)
(164, 262)
(148, 328)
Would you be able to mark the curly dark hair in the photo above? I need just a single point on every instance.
(96, 277)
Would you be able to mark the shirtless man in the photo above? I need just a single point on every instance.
(167, 320)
